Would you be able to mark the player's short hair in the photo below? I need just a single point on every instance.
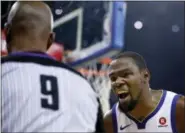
(137, 58)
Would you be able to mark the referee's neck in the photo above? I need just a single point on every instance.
(26, 47)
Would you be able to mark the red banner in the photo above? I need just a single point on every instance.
(3, 44)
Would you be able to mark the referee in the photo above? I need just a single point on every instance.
(40, 94)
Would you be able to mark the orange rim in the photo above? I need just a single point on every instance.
(87, 72)
(105, 60)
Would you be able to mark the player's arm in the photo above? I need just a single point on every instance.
(108, 125)
(99, 122)
(180, 115)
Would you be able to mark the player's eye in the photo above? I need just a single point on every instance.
(113, 78)
(125, 75)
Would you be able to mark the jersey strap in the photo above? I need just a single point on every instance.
(114, 118)
(173, 113)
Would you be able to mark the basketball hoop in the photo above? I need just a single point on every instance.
(96, 72)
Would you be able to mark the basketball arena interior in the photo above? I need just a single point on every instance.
(90, 33)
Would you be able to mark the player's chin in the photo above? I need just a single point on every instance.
(124, 106)
(127, 104)
(125, 101)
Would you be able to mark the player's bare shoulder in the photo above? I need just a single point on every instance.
(108, 116)
(108, 124)
(180, 114)
(157, 93)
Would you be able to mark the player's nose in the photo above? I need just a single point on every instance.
(120, 80)
(118, 83)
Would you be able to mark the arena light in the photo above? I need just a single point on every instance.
(58, 11)
(138, 25)
(175, 28)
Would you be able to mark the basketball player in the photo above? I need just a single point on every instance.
(40, 94)
(141, 109)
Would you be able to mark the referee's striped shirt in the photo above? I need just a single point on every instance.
(40, 94)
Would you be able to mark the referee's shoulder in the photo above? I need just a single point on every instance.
(40, 59)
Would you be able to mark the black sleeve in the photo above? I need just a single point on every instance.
(99, 122)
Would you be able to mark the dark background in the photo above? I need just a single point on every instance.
(162, 48)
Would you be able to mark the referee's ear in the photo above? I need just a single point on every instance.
(50, 39)
(7, 31)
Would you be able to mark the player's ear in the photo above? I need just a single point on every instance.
(146, 74)
(51, 39)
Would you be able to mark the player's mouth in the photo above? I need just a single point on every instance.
(122, 94)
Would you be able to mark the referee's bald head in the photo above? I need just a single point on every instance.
(31, 22)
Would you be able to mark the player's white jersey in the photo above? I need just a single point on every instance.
(162, 119)
(42, 95)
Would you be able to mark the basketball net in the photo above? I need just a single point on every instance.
(96, 72)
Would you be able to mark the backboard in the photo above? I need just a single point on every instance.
(91, 29)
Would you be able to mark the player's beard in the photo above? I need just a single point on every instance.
(127, 107)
